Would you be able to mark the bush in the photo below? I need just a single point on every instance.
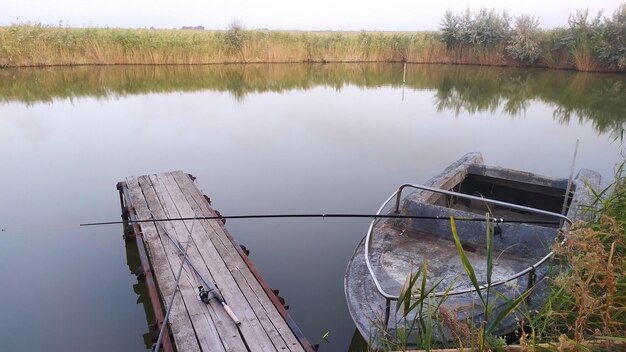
(577, 40)
(579, 31)
(235, 37)
(523, 45)
(484, 28)
(610, 39)
(488, 28)
(450, 29)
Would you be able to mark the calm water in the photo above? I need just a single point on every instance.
(260, 139)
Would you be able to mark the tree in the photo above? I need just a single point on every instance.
(450, 29)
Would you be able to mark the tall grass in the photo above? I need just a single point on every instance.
(588, 299)
(418, 311)
(481, 38)
(37, 45)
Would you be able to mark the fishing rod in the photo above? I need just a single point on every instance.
(211, 291)
(332, 215)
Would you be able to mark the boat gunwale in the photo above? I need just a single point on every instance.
(397, 194)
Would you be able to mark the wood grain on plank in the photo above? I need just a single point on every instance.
(214, 334)
(197, 326)
(266, 312)
(180, 324)
(215, 262)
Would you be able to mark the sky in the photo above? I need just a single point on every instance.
(387, 15)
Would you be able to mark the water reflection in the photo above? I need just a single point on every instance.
(141, 290)
(328, 138)
(598, 98)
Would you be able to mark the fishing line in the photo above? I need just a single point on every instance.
(13, 229)
(178, 276)
(208, 291)
(194, 275)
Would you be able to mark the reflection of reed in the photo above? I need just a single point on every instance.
(31, 85)
(460, 89)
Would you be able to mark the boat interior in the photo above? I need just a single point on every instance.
(521, 240)
(501, 184)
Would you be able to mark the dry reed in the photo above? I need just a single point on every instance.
(37, 45)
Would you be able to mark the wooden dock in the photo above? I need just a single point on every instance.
(194, 325)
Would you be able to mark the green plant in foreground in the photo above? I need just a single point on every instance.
(490, 323)
(426, 323)
(417, 309)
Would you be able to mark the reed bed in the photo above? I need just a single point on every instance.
(588, 300)
(476, 38)
(37, 45)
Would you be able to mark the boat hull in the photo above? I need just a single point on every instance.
(399, 247)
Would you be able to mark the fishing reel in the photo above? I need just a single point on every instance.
(205, 296)
(495, 227)
(497, 231)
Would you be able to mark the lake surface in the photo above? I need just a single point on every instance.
(259, 139)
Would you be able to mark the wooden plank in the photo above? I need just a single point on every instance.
(129, 214)
(272, 321)
(264, 308)
(227, 330)
(213, 328)
(180, 324)
(195, 325)
(215, 262)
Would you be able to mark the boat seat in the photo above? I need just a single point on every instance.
(524, 240)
